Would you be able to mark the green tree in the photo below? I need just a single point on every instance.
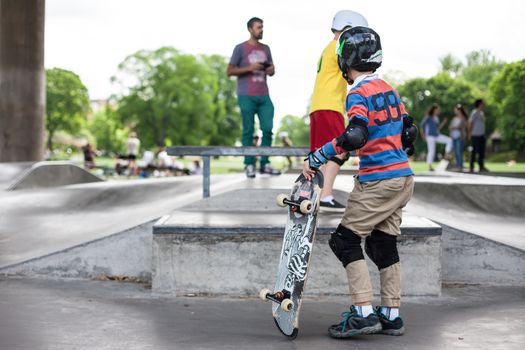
(480, 68)
(106, 128)
(178, 99)
(451, 64)
(226, 120)
(297, 128)
(507, 93)
(67, 103)
(419, 94)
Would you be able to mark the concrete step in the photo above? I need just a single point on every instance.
(230, 244)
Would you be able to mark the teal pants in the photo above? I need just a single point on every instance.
(263, 107)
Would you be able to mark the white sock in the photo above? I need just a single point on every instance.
(365, 310)
(327, 199)
(390, 312)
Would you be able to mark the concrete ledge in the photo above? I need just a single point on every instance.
(265, 224)
(230, 244)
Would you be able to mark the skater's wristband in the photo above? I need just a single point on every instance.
(329, 150)
(321, 155)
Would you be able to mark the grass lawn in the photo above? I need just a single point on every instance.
(419, 167)
(225, 165)
(504, 168)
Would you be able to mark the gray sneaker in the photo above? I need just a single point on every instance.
(250, 171)
(353, 325)
(268, 170)
(394, 327)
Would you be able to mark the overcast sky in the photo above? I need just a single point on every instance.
(91, 37)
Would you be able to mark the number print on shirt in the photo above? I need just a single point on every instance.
(388, 99)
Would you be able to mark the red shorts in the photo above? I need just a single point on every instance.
(325, 125)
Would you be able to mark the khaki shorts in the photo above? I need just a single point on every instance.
(377, 205)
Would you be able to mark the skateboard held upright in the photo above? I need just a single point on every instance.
(299, 234)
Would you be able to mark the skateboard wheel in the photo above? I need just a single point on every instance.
(287, 305)
(306, 207)
(264, 292)
(280, 200)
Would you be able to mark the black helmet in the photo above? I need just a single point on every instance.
(359, 48)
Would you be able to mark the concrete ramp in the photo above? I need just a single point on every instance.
(472, 259)
(488, 206)
(126, 253)
(52, 174)
(10, 171)
(80, 230)
(495, 198)
(483, 220)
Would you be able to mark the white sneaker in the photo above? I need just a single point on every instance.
(250, 171)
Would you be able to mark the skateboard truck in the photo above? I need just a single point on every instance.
(281, 297)
(303, 205)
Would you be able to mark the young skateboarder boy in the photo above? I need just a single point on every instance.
(382, 133)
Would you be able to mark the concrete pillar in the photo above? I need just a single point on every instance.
(22, 79)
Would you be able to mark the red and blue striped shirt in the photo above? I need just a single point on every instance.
(374, 101)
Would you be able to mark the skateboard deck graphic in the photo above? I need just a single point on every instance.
(299, 234)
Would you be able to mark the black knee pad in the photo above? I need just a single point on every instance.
(381, 248)
(338, 160)
(346, 245)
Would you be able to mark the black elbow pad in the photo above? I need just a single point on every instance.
(354, 136)
(409, 133)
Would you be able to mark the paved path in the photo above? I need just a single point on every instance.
(48, 314)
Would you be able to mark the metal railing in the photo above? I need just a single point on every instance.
(206, 152)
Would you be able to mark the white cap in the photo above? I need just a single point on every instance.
(283, 134)
(346, 18)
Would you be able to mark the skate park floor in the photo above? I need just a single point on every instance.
(73, 314)
(499, 222)
(87, 314)
(37, 222)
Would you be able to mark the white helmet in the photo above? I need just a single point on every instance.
(347, 18)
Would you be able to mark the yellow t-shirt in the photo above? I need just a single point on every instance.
(330, 87)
